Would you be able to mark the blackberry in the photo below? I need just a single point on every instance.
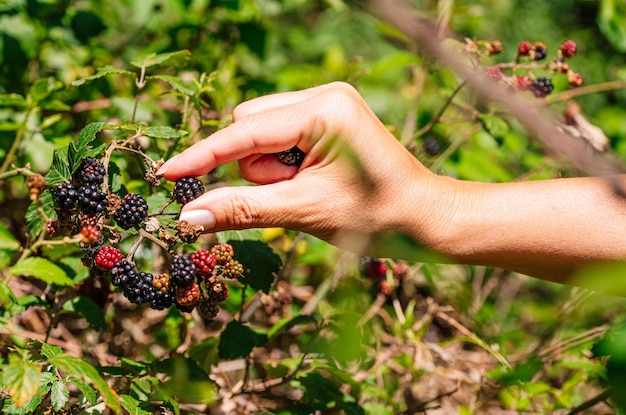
(92, 200)
(124, 274)
(524, 48)
(372, 268)
(204, 262)
(65, 196)
(541, 86)
(233, 269)
(541, 51)
(223, 253)
(132, 211)
(107, 257)
(161, 283)
(140, 289)
(217, 291)
(292, 157)
(90, 172)
(160, 300)
(208, 309)
(189, 296)
(182, 271)
(569, 48)
(187, 189)
(431, 146)
(493, 72)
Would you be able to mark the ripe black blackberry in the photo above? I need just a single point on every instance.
(541, 86)
(124, 274)
(92, 200)
(65, 196)
(541, 51)
(91, 171)
(182, 271)
(187, 189)
(132, 211)
(140, 288)
(431, 146)
(208, 309)
(160, 300)
(292, 157)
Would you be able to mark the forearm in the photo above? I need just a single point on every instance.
(545, 228)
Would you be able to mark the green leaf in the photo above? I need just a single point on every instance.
(88, 308)
(55, 105)
(59, 394)
(238, 340)
(86, 390)
(49, 121)
(260, 263)
(78, 151)
(162, 132)
(21, 378)
(188, 382)
(496, 126)
(7, 240)
(115, 178)
(42, 88)
(612, 23)
(34, 220)
(42, 269)
(131, 405)
(80, 369)
(50, 351)
(12, 100)
(205, 353)
(176, 83)
(163, 59)
(287, 323)
(60, 170)
(100, 72)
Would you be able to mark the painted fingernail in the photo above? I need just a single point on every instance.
(199, 217)
(166, 165)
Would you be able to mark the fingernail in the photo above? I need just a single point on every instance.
(199, 217)
(166, 165)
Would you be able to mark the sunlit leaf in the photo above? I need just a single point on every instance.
(42, 269)
(100, 72)
(21, 378)
(163, 59)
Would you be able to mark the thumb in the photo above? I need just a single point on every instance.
(282, 204)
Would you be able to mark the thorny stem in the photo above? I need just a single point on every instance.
(433, 121)
(141, 82)
(17, 171)
(591, 403)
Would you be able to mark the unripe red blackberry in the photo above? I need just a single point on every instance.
(189, 296)
(541, 86)
(523, 82)
(372, 268)
(90, 172)
(53, 228)
(292, 157)
(494, 73)
(65, 196)
(92, 200)
(569, 48)
(574, 79)
(133, 210)
(223, 253)
(204, 262)
(107, 257)
(524, 48)
(90, 234)
(182, 271)
(187, 189)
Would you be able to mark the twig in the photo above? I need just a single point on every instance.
(435, 119)
(590, 403)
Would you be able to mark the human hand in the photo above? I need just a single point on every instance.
(356, 183)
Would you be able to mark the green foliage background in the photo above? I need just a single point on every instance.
(543, 338)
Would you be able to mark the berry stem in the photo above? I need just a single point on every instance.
(17, 171)
(584, 90)
(19, 136)
(434, 120)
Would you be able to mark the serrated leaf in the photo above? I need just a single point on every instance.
(88, 392)
(89, 309)
(59, 394)
(176, 83)
(287, 323)
(75, 367)
(496, 126)
(7, 240)
(188, 382)
(163, 59)
(238, 340)
(42, 88)
(21, 378)
(260, 263)
(161, 131)
(78, 151)
(60, 170)
(55, 105)
(29, 407)
(34, 219)
(131, 405)
(50, 351)
(100, 72)
(12, 100)
(41, 269)
(115, 178)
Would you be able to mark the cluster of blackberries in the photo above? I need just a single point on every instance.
(376, 270)
(541, 86)
(132, 211)
(194, 280)
(84, 191)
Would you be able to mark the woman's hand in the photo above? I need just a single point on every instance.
(357, 185)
